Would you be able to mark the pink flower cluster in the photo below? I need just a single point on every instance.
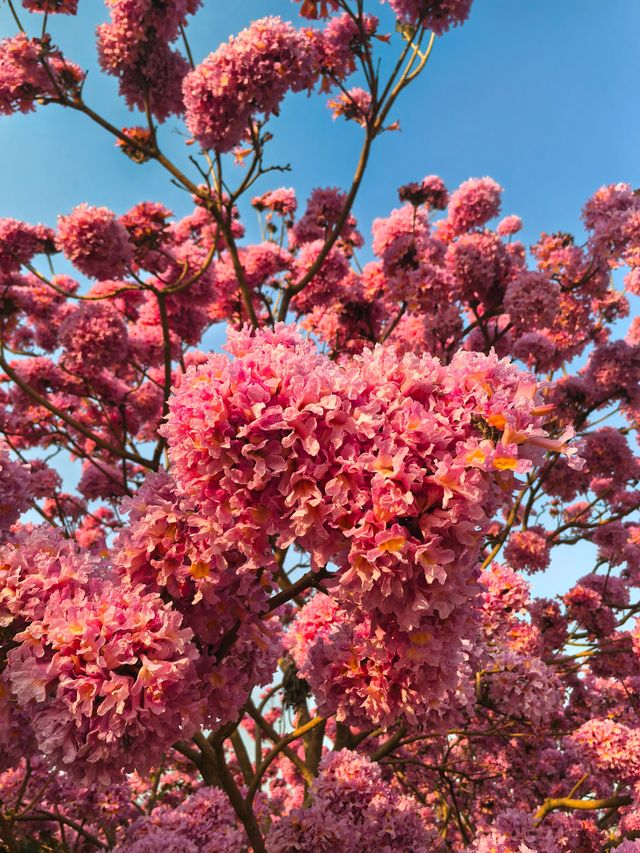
(375, 464)
(94, 241)
(15, 489)
(175, 551)
(30, 72)
(135, 47)
(247, 77)
(524, 687)
(352, 804)
(107, 678)
(202, 823)
(528, 549)
(473, 204)
(38, 567)
(19, 242)
(282, 201)
(438, 16)
(93, 336)
(52, 7)
(609, 747)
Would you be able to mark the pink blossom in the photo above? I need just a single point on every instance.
(473, 204)
(531, 300)
(438, 17)
(93, 335)
(204, 822)
(134, 46)
(282, 201)
(610, 747)
(431, 191)
(19, 242)
(103, 673)
(15, 489)
(24, 78)
(354, 105)
(52, 7)
(508, 226)
(248, 76)
(323, 212)
(351, 804)
(528, 549)
(357, 489)
(342, 40)
(94, 241)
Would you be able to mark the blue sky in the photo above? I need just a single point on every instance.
(539, 94)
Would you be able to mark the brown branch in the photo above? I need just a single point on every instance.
(277, 749)
(241, 807)
(569, 804)
(272, 734)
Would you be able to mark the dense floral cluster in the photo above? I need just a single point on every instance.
(52, 7)
(100, 668)
(204, 822)
(177, 551)
(94, 241)
(351, 805)
(246, 78)
(32, 72)
(135, 47)
(386, 475)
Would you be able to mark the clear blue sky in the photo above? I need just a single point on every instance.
(539, 94)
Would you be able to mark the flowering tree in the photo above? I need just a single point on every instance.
(287, 607)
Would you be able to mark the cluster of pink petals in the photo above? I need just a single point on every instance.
(19, 242)
(15, 489)
(107, 678)
(532, 301)
(493, 841)
(210, 576)
(505, 593)
(364, 675)
(612, 215)
(588, 603)
(385, 475)
(524, 687)
(515, 831)
(528, 550)
(317, 8)
(282, 201)
(437, 16)
(31, 72)
(135, 47)
(609, 747)
(354, 105)
(52, 7)
(40, 567)
(352, 804)
(94, 241)
(247, 77)
(101, 480)
(93, 335)
(204, 822)
(473, 204)
(325, 208)
(16, 735)
(342, 40)
(431, 191)
(509, 225)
